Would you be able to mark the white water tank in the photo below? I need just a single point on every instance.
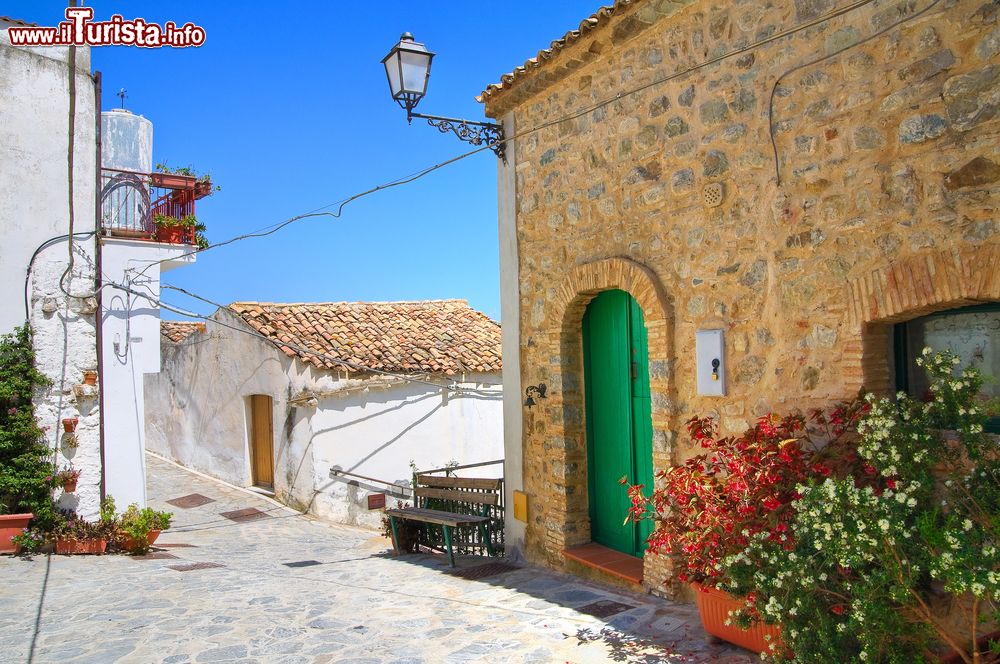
(126, 141)
(126, 159)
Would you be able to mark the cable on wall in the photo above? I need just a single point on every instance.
(341, 204)
(770, 103)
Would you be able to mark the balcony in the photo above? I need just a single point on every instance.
(158, 207)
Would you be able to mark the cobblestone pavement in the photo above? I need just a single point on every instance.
(354, 603)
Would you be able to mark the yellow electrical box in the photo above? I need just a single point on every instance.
(521, 506)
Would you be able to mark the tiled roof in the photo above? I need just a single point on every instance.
(177, 331)
(628, 18)
(436, 336)
(17, 21)
(600, 17)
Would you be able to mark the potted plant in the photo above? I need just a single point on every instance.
(90, 378)
(67, 479)
(74, 535)
(69, 424)
(407, 532)
(173, 230)
(25, 491)
(712, 507)
(139, 528)
(899, 559)
(172, 178)
(78, 536)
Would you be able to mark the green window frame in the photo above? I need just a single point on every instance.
(903, 353)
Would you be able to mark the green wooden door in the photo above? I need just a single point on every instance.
(619, 421)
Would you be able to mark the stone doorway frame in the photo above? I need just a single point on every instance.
(566, 499)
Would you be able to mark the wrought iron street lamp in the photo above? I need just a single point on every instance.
(407, 67)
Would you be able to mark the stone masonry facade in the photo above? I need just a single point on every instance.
(875, 204)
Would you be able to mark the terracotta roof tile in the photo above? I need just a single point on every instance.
(177, 331)
(601, 16)
(436, 336)
(17, 21)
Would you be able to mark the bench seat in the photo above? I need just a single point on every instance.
(481, 491)
(437, 517)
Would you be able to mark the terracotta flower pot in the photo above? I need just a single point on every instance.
(131, 544)
(70, 547)
(69, 424)
(69, 486)
(175, 235)
(10, 526)
(90, 378)
(714, 607)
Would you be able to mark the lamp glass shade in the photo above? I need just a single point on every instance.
(407, 67)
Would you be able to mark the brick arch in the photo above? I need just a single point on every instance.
(909, 288)
(585, 281)
(567, 516)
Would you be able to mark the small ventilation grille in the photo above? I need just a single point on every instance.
(713, 194)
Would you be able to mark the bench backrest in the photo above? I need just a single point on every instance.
(479, 490)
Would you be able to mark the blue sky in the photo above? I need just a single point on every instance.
(286, 105)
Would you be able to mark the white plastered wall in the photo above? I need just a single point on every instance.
(130, 349)
(34, 207)
(197, 415)
(510, 320)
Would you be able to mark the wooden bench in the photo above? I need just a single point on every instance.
(473, 490)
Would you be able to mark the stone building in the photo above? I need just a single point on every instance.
(325, 404)
(817, 181)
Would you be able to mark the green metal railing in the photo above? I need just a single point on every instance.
(465, 541)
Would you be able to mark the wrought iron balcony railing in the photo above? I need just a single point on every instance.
(132, 202)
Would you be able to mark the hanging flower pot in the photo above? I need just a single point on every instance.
(90, 378)
(68, 479)
(714, 606)
(10, 526)
(69, 424)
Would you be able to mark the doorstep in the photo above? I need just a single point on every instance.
(601, 558)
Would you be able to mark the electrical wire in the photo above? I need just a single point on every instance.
(770, 103)
(31, 263)
(341, 204)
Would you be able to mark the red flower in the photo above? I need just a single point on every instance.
(711, 506)
(837, 609)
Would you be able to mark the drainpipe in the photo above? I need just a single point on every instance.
(98, 278)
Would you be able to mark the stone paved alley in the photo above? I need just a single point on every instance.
(354, 602)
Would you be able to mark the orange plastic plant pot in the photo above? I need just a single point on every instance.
(714, 606)
(70, 547)
(12, 525)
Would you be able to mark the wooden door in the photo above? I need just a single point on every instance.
(619, 420)
(261, 441)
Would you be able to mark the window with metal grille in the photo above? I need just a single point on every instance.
(972, 333)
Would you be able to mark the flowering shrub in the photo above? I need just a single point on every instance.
(741, 489)
(25, 465)
(873, 553)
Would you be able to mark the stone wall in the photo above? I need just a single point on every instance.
(879, 207)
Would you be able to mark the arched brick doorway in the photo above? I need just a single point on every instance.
(561, 497)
